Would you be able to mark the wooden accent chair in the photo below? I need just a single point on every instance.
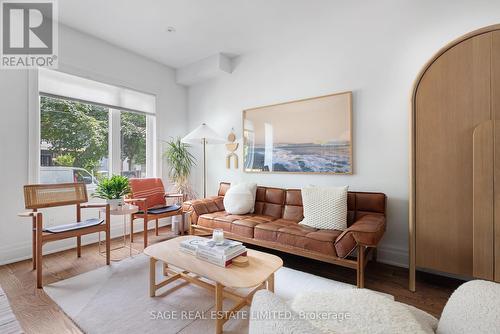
(149, 195)
(38, 196)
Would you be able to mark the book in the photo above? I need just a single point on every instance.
(221, 261)
(228, 247)
(207, 250)
(191, 245)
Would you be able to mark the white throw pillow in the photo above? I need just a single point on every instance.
(240, 198)
(325, 207)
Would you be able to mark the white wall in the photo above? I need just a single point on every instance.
(82, 55)
(374, 49)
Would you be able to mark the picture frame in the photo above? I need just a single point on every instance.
(308, 136)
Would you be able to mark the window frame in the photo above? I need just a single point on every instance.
(114, 137)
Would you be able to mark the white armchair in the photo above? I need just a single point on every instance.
(473, 308)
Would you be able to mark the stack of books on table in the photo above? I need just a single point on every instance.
(218, 254)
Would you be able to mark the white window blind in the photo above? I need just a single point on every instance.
(61, 84)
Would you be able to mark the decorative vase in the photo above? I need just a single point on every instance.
(115, 204)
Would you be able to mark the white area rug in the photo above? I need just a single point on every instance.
(8, 321)
(115, 299)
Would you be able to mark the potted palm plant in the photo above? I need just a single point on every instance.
(113, 190)
(180, 162)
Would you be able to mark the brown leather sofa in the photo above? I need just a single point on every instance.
(274, 224)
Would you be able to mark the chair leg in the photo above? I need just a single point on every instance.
(79, 246)
(361, 267)
(33, 246)
(131, 228)
(39, 244)
(108, 236)
(145, 231)
(374, 254)
(156, 227)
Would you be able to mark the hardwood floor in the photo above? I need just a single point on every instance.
(37, 313)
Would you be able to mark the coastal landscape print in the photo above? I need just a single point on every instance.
(306, 136)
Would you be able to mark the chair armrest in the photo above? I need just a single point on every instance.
(27, 214)
(141, 203)
(366, 231)
(92, 206)
(173, 195)
(132, 200)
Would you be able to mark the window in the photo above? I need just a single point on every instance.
(133, 144)
(84, 141)
(73, 141)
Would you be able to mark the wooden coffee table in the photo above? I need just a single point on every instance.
(259, 274)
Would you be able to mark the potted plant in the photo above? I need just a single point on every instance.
(180, 162)
(113, 190)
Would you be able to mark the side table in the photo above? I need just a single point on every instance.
(125, 211)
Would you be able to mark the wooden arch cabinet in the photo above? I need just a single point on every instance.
(455, 160)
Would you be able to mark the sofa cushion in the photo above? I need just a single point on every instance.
(206, 220)
(219, 202)
(215, 214)
(275, 210)
(285, 222)
(370, 202)
(294, 235)
(293, 205)
(211, 206)
(293, 212)
(245, 227)
(269, 201)
(220, 219)
(322, 241)
(269, 231)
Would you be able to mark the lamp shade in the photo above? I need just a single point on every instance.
(203, 132)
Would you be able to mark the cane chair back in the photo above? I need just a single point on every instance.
(37, 196)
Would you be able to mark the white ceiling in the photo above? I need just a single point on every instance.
(203, 27)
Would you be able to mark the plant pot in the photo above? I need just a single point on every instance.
(115, 204)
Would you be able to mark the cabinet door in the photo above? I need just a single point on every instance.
(483, 200)
(452, 98)
(495, 107)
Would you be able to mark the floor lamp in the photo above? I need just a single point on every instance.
(203, 135)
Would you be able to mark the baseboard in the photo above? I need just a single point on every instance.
(22, 251)
(393, 255)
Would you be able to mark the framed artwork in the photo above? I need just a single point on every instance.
(306, 136)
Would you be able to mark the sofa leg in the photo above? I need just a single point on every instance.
(360, 282)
